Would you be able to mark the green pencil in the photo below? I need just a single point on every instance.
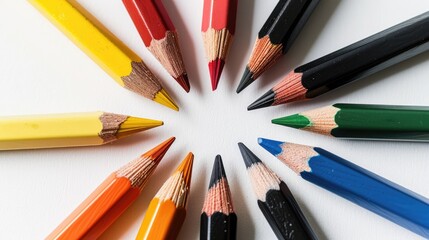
(360, 121)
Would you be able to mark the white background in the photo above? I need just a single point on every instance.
(41, 71)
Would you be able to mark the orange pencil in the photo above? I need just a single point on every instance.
(167, 210)
(94, 215)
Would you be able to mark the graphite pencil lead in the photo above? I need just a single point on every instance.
(218, 171)
(248, 156)
(157, 153)
(295, 121)
(163, 98)
(246, 80)
(265, 101)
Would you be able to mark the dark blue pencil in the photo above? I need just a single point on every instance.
(354, 183)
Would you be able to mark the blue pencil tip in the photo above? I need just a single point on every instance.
(272, 146)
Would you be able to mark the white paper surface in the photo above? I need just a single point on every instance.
(41, 71)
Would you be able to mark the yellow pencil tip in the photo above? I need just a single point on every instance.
(134, 125)
(163, 98)
(186, 168)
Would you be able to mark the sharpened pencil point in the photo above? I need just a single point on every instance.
(266, 100)
(158, 152)
(186, 168)
(184, 82)
(274, 147)
(294, 121)
(163, 98)
(216, 68)
(218, 171)
(248, 156)
(246, 80)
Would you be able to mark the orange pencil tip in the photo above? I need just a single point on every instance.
(158, 152)
(186, 168)
(184, 82)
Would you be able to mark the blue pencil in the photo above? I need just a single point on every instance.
(354, 183)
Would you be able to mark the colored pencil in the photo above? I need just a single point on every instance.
(124, 66)
(276, 200)
(364, 121)
(68, 130)
(218, 220)
(351, 63)
(276, 37)
(218, 28)
(159, 36)
(94, 215)
(354, 183)
(167, 210)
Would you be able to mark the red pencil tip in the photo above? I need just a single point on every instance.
(184, 82)
(216, 68)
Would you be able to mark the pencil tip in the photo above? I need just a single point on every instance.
(218, 171)
(265, 101)
(163, 98)
(186, 168)
(248, 156)
(158, 152)
(246, 80)
(216, 68)
(184, 82)
(294, 121)
(273, 147)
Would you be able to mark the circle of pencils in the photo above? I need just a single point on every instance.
(276, 37)
(354, 183)
(94, 215)
(276, 200)
(364, 121)
(351, 63)
(218, 28)
(218, 220)
(167, 210)
(124, 66)
(68, 130)
(159, 36)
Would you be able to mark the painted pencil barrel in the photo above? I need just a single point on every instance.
(218, 226)
(370, 191)
(367, 56)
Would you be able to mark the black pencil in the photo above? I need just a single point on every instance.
(276, 200)
(218, 220)
(351, 63)
(276, 37)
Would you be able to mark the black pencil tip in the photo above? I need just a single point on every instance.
(246, 80)
(248, 156)
(265, 101)
(218, 171)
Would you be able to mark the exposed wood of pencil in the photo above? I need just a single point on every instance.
(94, 215)
(275, 200)
(218, 28)
(68, 130)
(354, 62)
(218, 220)
(364, 121)
(167, 210)
(276, 37)
(123, 65)
(159, 35)
(354, 183)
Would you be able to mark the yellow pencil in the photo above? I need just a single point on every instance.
(68, 130)
(104, 48)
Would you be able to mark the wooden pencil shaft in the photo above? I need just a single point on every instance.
(218, 226)
(366, 57)
(286, 21)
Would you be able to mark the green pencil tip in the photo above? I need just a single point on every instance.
(294, 121)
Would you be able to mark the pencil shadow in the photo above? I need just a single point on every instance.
(245, 225)
(303, 43)
(241, 42)
(312, 221)
(135, 213)
(186, 42)
(191, 226)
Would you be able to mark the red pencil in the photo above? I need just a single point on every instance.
(159, 35)
(218, 28)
